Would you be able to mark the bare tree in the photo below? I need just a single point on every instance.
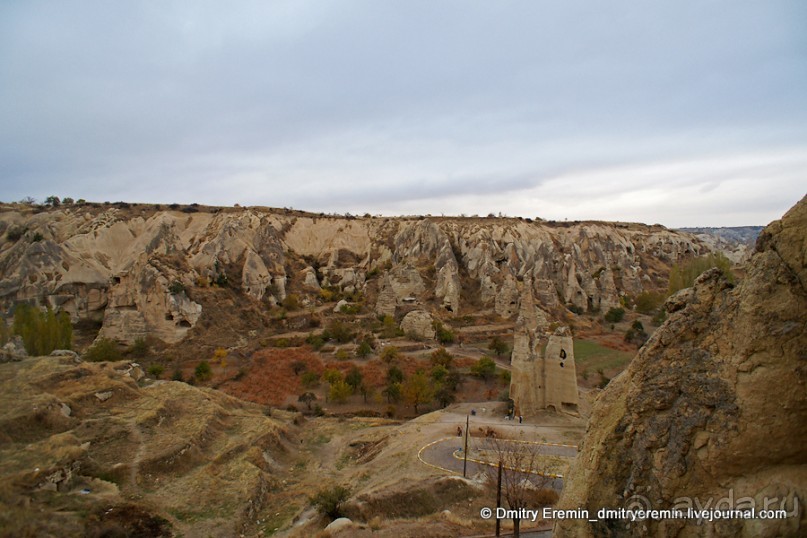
(526, 483)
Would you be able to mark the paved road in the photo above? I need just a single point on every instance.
(440, 454)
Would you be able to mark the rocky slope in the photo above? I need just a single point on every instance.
(712, 409)
(93, 449)
(137, 269)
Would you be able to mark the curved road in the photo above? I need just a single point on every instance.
(440, 455)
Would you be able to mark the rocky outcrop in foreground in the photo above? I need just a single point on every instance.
(712, 410)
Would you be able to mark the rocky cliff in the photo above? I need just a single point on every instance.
(711, 412)
(135, 268)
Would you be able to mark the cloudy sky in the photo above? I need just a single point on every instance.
(681, 112)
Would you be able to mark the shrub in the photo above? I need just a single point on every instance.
(176, 287)
(442, 357)
(291, 302)
(339, 392)
(351, 309)
(648, 301)
(340, 332)
(614, 315)
(354, 378)
(37, 237)
(329, 501)
(103, 349)
(177, 375)
(342, 354)
(444, 336)
(15, 233)
(364, 349)
(484, 368)
(298, 367)
(155, 371)
(316, 341)
(203, 372)
(498, 346)
(389, 354)
(309, 379)
(139, 349)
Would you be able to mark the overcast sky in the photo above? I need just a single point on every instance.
(682, 112)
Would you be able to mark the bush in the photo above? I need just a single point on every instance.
(139, 349)
(177, 375)
(648, 301)
(298, 367)
(444, 336)
(329, 501)
(389, 354)
(155, 371)
(309, 379)
(15, 233)
(103, 349)
(498, 346)
(442, 357)
(615, 315)
(659, 318)
(340, 332)
(291, 302)
(176, 287)
(342, 354)
(364, 349)
(484, 368)
(203, 372)
(339, 392)
(316, 341)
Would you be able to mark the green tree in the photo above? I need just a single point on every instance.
(340, 391)
(444, 336)
(442, 357)
(329, 501)
(394, 375)
(203, 372)
(331, 376)
(364, 349)
(484, 368)
(498, 346)
(444, 395)
(42, 332)
(307, 398)
(354, 379)
(389, 354)
(309, 379)
(683, 275)
(417, 390)
(615, 314)
(392, 392)
(52, 201)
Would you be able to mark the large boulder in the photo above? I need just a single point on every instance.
(712, 409)
(419, 324)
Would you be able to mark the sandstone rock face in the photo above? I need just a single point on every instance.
(543, 380)
(418, 323)
(713, 407)
(116, 265)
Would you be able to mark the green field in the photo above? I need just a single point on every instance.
(590, 356)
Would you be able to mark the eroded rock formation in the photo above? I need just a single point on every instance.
(713, 407)
(127, 265)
